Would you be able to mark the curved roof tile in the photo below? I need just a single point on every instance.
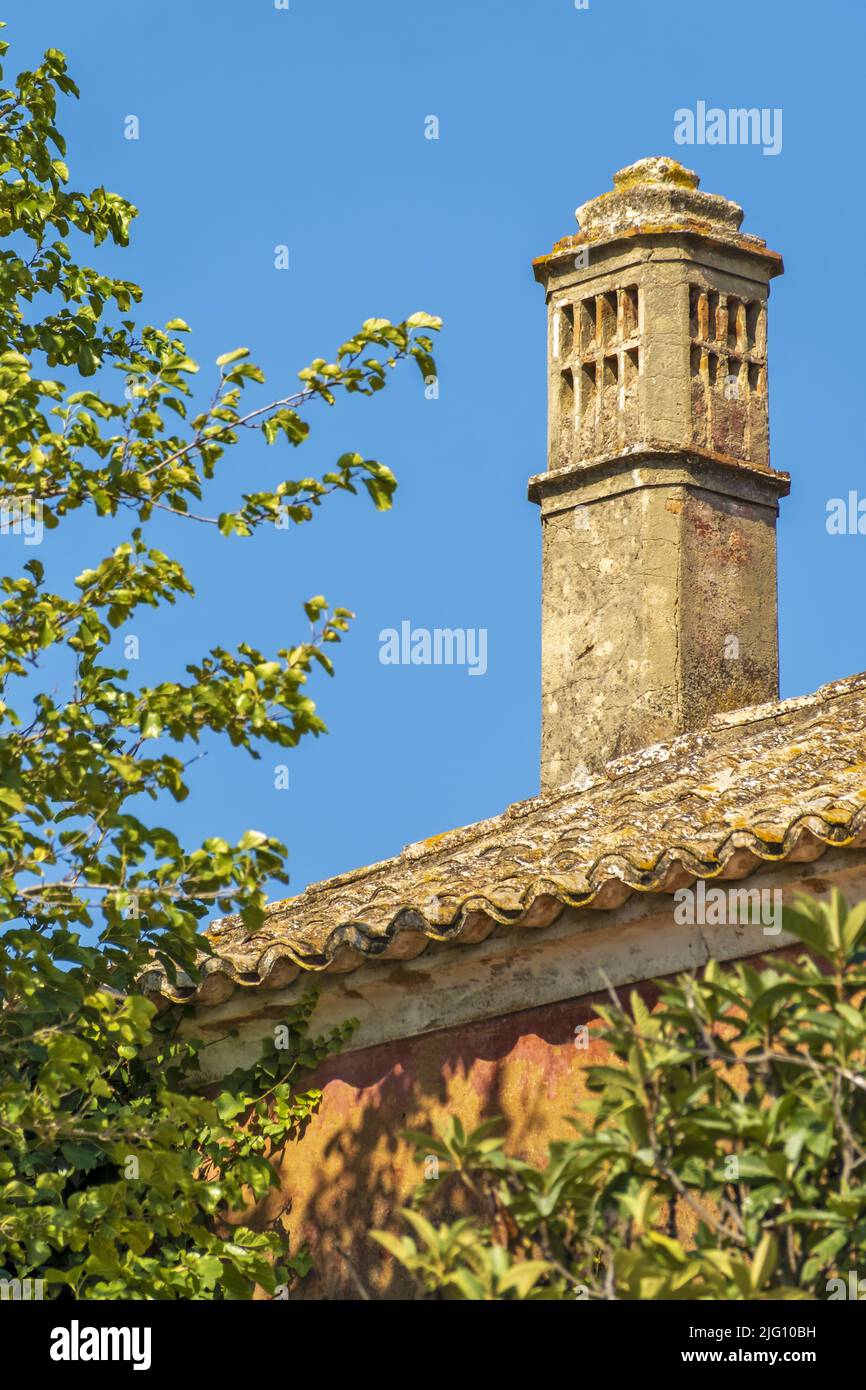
(779, 782)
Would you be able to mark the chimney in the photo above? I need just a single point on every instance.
(659, 505)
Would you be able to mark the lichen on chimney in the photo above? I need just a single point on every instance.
(659, 503)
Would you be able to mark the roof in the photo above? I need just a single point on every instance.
(779, 782)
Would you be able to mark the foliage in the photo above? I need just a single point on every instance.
(114, 1168)
(721, 1156)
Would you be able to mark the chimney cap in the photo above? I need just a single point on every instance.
(661, 192)
(656, 168)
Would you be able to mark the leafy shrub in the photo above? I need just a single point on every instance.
(721, 1156)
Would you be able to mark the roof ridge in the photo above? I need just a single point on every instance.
(771, 783)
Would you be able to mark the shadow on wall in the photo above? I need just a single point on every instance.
(352, 1171)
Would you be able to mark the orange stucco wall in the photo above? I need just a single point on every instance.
(352, 1171)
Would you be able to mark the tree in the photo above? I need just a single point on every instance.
(113, 1167)
(723, 1156)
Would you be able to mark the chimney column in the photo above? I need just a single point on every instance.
(659, 505)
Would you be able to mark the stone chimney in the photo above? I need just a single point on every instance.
(659, 505)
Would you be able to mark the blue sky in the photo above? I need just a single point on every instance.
(305, 127)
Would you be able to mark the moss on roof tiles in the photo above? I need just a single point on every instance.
(793, 772)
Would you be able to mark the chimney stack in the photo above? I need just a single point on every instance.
(659, 505)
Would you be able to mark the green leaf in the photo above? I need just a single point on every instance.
(522, 1277)
(226, 358)
(229, 1106)
(764, 1261)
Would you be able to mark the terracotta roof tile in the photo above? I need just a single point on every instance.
(779, 782)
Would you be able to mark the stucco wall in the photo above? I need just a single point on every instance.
(352, 1171)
